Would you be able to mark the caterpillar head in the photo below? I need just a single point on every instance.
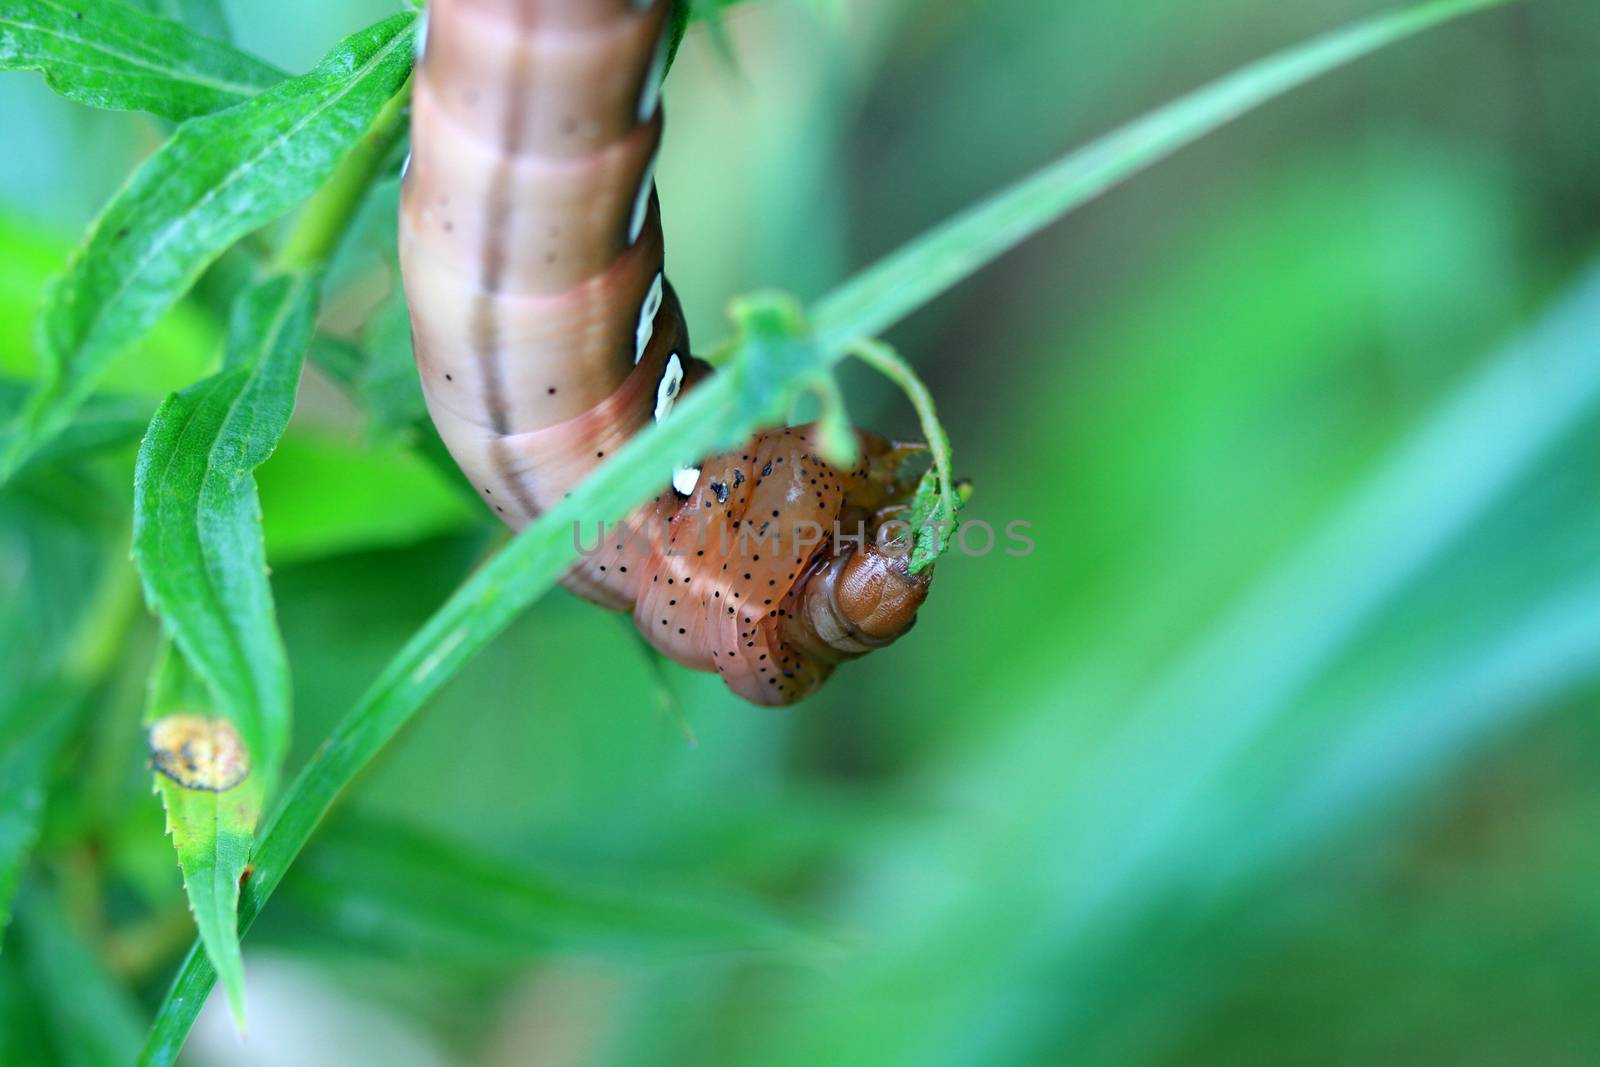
(772, 570)
(862, 599)
(859, 594)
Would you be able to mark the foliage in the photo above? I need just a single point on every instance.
(197, 522)
(107, 54)
(217, 179)
(33, 727)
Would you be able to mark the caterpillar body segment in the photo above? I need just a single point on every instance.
(547, 334)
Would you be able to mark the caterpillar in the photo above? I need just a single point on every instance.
(547, 334)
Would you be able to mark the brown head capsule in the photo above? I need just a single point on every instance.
(861, 600)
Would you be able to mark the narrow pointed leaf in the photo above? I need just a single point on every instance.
(426, 896)
(197, 518)
(213, 797)
(218, 178)
(107, 54)
(33, 727)
(93, 1020)
(105, 421)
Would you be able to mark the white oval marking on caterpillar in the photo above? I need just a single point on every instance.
(405, 166)
(684, 480)
(641, 199)
(422, 34)
(667, 390)
(647, 317)
(650, 98)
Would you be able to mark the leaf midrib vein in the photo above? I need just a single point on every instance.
(97, 318)
(237, 651)
(245, 90)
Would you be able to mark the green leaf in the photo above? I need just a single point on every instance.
(197, 519)
(107, 54)
(428, 897)
(104, 422)
(380, 373)
(713, 415)
(22, 1022)
(198, 545)
(94, 1021)
(389, 390)
(710, 12)
(216, 180)
(181, 347)
(33, 727)
(213, 800)
(932, 512)
(65, 601)
(933, 518)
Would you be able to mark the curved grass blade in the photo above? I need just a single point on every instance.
(1449, 708)
(93, 1020)
(708, 13)
(1245, 672)
(218, 178)
(383, 375)
(425, 896)
(104, 422)
(734, 402)
(932, 514)
(213, 799)
(107, 54)
(63, 622)
(33, 727)
(912, 276)
(1177, 782)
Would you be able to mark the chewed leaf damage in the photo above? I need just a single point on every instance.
(199, 752)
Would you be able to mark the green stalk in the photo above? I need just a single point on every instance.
(327, 216)
(889, 363)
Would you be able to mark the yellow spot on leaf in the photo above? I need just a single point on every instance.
(199, 752)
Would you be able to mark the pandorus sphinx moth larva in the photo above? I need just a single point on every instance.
(546, 335)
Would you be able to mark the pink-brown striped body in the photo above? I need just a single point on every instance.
(546, 336)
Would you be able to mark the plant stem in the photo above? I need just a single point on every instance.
(327, 216)
(101, 635)
(889, 363)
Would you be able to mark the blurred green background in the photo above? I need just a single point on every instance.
(1279, 749)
